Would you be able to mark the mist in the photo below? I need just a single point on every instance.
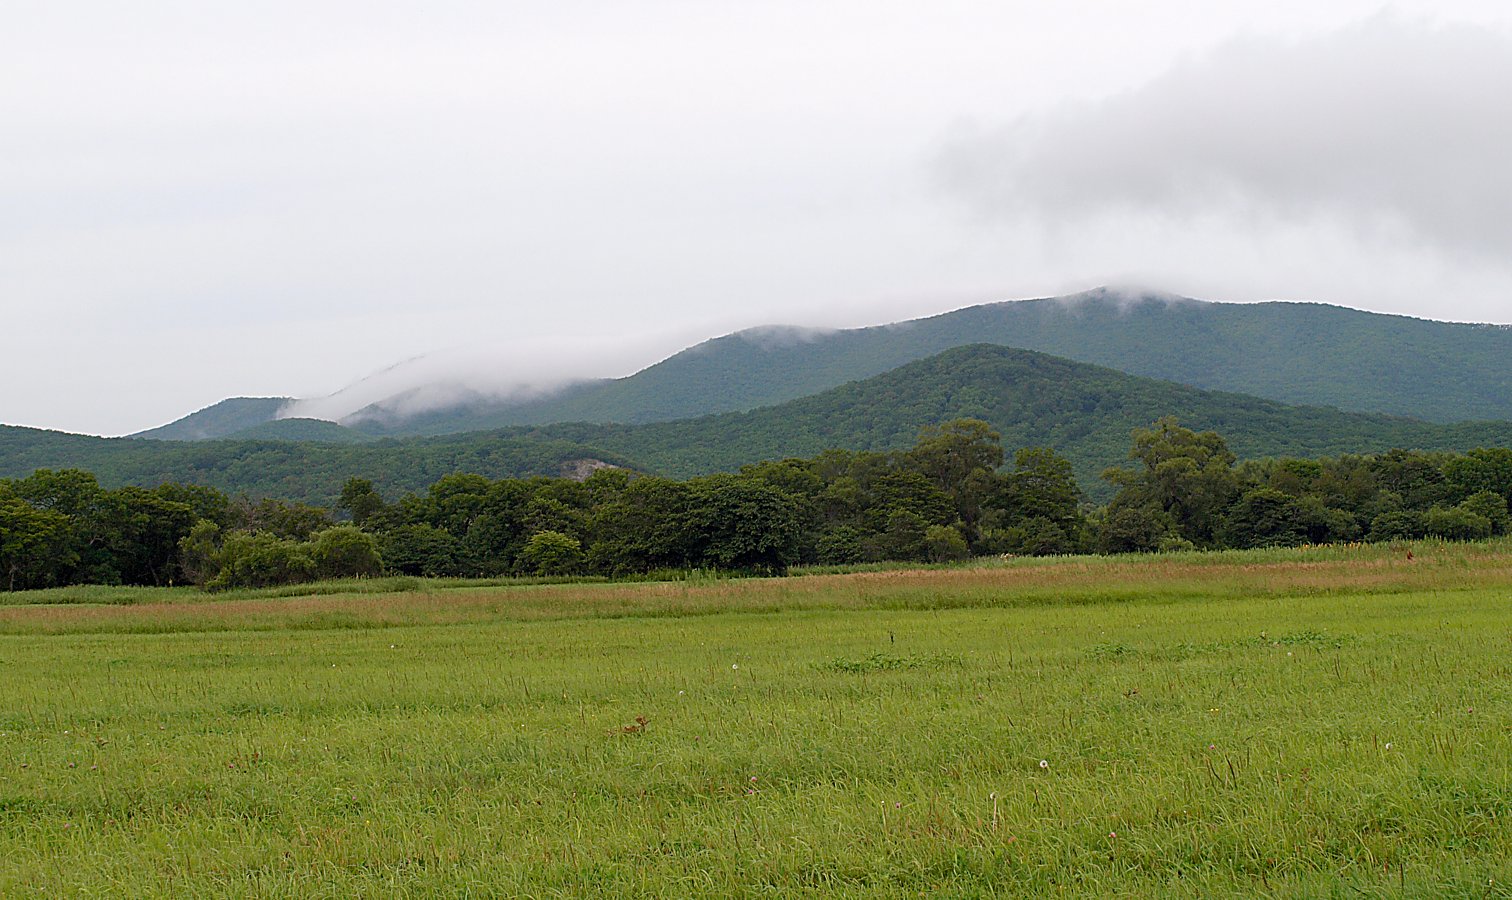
(1373, 152)
(501, 372)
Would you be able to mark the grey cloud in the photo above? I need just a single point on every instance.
(512, 371)
(1395, 130)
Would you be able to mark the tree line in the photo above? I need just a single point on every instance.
(951, 496)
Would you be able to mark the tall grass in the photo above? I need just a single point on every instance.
(1330, 722)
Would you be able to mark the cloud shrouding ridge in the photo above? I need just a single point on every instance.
(1396, 131)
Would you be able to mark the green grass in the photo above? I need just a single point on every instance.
(1328, 722)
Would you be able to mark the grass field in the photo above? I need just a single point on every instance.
(1325, 722)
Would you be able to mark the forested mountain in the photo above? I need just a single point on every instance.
(1290, 352)
(1084, 412)
(298, 429)
(292, 470)
(219, 420)
(1298, 353)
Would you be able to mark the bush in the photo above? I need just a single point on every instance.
(1037, 537)
(262, 560)
(345, 552)
(1493, 507)
(840, 546)
(1457, 524)
(552, 553)
(942, 543)
(1397, 526)
(1133, 529)
(420, 550)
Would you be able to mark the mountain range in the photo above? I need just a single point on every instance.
(1295, 353)
(1083, 411)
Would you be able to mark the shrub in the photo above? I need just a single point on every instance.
(1133, 529)
(1397, 526)
(420, 550)
(1037, 537)
(840, 546)
(942, 543)
(1492, 506)
(345, 552)
(552, 553)
(262, 560)
(1456, 524)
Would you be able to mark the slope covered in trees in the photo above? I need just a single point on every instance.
(1298, 353)
(219, 420)
(300, 429)
(1084, 412)
(292, 470)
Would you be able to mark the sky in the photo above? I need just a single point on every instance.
(202, 199)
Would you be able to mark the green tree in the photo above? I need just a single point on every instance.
(840, 545)
(960, 457)
(290, 521)
(1398, 526)
(1456, 524)
(141, 532)
(1186, 475)
(1481, 470)
(649, 526)
(360, 500)
(744, 524)
(199, 553)
(420, 550)
(552, 553)
(345, 551)
(456, 501)
(942, 543)
(69, 492)
(1037, 537)
(262, 560)
(1492, 506)
(902, 538)
(1133, 529)
(1263, 517)
(1038, 506)
(37, 546)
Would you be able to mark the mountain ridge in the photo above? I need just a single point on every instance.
(1300, 353)
(1085, 412)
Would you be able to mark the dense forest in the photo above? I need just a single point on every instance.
(951, 495)
(292, 470)
(1085, 412)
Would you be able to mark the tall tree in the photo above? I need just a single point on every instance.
(1187, 475)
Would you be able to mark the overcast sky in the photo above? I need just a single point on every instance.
(204, 199)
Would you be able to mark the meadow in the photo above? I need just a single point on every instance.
(1331, 722)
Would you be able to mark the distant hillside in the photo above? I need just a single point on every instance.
(291, 470)
(296, 429)
(1299, 353)
(1085, 412)
(219, 420)
(476, 415)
